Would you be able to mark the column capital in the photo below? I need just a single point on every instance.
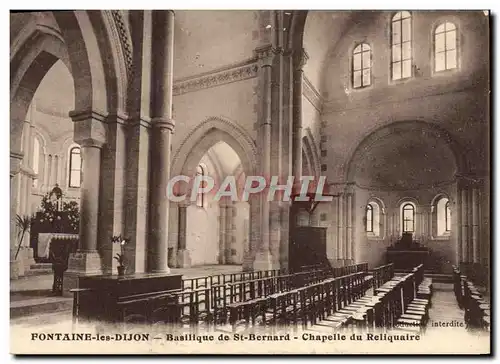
(90, 143)
(90, 128)
(300, 58)
(16, 158)
(265, 55)
(184, 204)
(163, 123)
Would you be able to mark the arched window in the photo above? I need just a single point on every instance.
(443, 216)
(361, 66)
(200, 198)
(373, 219)
(401, 46)
(448, 216)
(408, 218)
(75, 167)
(445, 47)
(36, 160)
(369, 218)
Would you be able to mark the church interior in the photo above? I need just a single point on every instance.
(392, 107)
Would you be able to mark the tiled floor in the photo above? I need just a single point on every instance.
(444, 305)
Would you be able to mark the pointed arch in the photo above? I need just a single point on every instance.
(204, 136)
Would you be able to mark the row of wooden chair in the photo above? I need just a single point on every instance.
(300, 307)
(401, 303)
(477, 312)
(217, 279)
(207, 305)
(382, 275)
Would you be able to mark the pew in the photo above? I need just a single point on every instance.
(476, 308)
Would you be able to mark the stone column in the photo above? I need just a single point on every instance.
(349, 242)
(464, 224)
(229, 232)
(476, 252)
(15, 167)
(90, 133)
(222, 233)
(340, 227)
(162, 128)
(263, 258)
(89, 205)
(183, 258)
(254, 232)
(299, 61)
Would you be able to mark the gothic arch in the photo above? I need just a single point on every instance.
(370, 138)
(204, 136)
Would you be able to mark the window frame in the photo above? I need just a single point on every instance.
(36, 161)
(447, 221)
(403, 208)
(369, 208)
(360, 53)
(457, 47)
(71, 169)
(391, 44)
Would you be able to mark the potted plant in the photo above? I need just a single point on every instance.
(120, 257)
(23, 224)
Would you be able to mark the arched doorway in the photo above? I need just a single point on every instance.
(209, 230)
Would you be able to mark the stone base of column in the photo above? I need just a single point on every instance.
(264, 261)
(16, 269)
(80, 264)
(183, 259)
(28, 257)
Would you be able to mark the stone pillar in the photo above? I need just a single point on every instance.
(349, 242)
(229, 233)
(183, 258)
(254, 228)
(163, 126)
(340, 227)
(90, 133)
(464, 224)
(476, 251)
(300, 59)
(222, 233)
(263, 258)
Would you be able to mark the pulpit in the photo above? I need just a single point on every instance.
(407, 253)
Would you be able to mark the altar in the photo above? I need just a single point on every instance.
(406, 253)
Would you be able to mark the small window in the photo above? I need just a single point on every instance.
(36, 160)
(401, 46)
(448, 217)
(445, 47)
(369, 218)
(200, 199)
(443, 217)
(408, 217)
(75, 167)
(361, 66)
(373, 219)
